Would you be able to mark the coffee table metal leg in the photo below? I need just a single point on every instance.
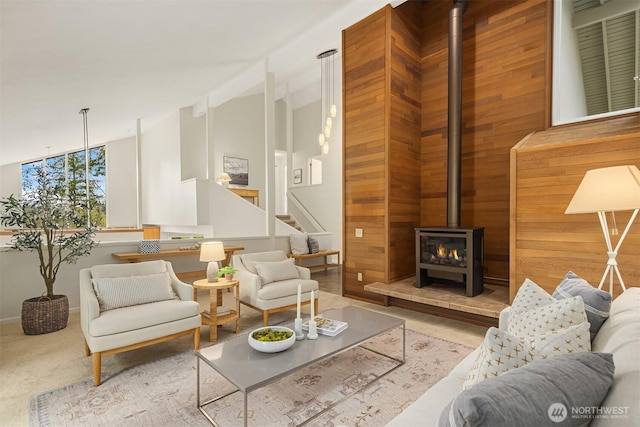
(246, 407)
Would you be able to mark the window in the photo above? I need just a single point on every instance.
(68, 172)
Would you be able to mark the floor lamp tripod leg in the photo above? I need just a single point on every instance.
(604, 276)
(615, 267)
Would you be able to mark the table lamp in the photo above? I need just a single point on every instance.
(224, 179)
(212, 252)
(604, 190)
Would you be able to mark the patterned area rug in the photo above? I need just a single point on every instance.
(163, 393)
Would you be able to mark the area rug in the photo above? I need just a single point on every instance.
(163, 393)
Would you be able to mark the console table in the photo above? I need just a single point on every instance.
(138, 257)
(248, 193)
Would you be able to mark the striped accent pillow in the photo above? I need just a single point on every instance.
(117, 292)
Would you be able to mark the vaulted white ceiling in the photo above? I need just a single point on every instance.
(128, 60)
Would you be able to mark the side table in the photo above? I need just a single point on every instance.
(213, 320)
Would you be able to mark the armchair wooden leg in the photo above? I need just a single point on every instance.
(97, 367)
(315, 306)
(265, 317)
(87, 350)
(196, 338)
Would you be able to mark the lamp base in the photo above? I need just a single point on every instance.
(212, 271)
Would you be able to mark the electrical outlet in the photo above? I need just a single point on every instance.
(359, 277)
(359, 232)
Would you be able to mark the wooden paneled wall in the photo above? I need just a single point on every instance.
(381, 101)
(547, 168)
(505, 54)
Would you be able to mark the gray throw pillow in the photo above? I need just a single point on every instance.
(314, 245)
(548, 392)
(298, 243)
(597, 302)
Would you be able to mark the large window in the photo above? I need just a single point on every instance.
(68, 172)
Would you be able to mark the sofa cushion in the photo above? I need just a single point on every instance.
(277, 271)
(127, 319)
(299, 244)
(528, 297)
(117, 292)
(123, 270)
(557, 315)
(249, 260)
(597, 302)
(286, 288)
(541, 393)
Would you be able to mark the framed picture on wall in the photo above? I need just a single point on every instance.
(297, 176)
(238, 170)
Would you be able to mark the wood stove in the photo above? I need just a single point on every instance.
(450, 256)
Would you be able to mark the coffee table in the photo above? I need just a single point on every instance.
(249, 370)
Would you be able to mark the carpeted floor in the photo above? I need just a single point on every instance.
(163, 392)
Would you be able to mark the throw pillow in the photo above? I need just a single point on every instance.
(314, 245)
(276, 271)
(540, 393)
(298, 243)
(499, 353)
(528, 297)
(573, 339)
(597, 302)
(557, 315)
(117, 292)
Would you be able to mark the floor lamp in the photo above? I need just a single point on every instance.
(605, 190)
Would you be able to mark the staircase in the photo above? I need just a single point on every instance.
(289, 220)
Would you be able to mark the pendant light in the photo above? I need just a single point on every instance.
(328, 106)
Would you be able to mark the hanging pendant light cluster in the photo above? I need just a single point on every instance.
(329, 109)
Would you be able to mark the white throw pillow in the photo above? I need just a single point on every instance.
(499, 353)
(277, 271)
(528, 297)
(299, 244)
(117, 292)
(552, 317)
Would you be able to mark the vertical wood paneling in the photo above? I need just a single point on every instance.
(504, 99)
(547, 168)
(381, 97)
(364, 140)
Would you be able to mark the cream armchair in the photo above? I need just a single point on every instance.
(128, 306)
(269, 282)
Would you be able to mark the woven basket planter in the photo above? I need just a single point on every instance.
(42, 315)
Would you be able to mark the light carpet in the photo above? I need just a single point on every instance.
(163, 392)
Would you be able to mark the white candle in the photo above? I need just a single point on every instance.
(312, 314)
(299, 297)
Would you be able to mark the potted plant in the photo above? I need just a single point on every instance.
(227, 272)
(51, 221)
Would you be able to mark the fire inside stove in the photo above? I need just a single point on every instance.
(444, 253)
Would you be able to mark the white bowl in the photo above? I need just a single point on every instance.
(272, 346)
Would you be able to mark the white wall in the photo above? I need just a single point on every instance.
(238, 131)
(193, 162)
(122, 192)
(165, 199)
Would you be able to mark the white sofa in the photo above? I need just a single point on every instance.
(619, 335)
(140, 304)
(269, 282)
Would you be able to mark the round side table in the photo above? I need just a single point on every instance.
(212, 319)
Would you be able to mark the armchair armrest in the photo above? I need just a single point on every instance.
(250, 284)
(304, 272)
(88, 301)
(183, 290)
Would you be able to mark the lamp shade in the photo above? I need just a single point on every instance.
(224, 177)
(609, 189)
(212, 251)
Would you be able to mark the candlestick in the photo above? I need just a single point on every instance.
(299, 295)
(311, 302)
(298, 329)
(313, 332)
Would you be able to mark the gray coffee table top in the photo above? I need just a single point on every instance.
(249, 369)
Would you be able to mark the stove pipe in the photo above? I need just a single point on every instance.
(455, 114)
